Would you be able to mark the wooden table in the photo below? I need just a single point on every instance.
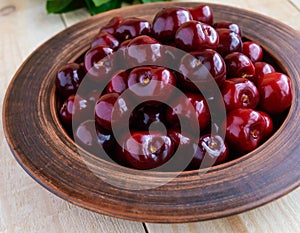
(25, 206)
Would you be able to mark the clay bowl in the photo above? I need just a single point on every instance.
(42, 147)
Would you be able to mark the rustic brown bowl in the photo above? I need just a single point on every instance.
(50, 156)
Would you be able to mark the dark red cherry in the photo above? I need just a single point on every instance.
(151, 81)
(98, 141)
(118, 82)
(98, 63)
(123, 45)
(92, 137)
(132, 27)
(194, 35)
(275, 93)
(239, 65)
(75, 110)
(253, 50)
(189, 107)
(167, 21)
(261, 68)
(185, 146)
(144, 50)
(211, 150)
(269, 125)
(202, 13)
(112, 25)
(104, 38)
(110, 111)
(245, 129)
(148, 116)
(239, 93)
(201, 67)
(68, 79)
(228, 25)
(147, 151)
(229, 42)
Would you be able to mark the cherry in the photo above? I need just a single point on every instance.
(147, 81)
(91, 137)
(132, 27)
(98, 63)
(239, 93)
(194, 35)
(202, 13)
(189, 106)
(211, 150)
(118, 82)
(110, 110)
(245, 129)
(112, 25)
(275, 93)
(253, 51)
(261, 68)
(146, 114)
(104, 38)
(239, 65)
(228, 25)
(167, 21)
(229, 42)
(143, 50)
(198, 68)
(123, 45)
(75, 110)
(147, 151)
(68, 79)
(185, 147)
(269, 125)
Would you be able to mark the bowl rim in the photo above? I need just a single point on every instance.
(142, 213)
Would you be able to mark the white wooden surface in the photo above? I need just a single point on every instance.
(26, 207)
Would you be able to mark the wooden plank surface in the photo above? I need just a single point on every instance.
(27, 207)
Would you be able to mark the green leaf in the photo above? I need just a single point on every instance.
(109, 5)
(100, 2)
(62, 6)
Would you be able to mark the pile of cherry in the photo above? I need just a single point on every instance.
(255, 93)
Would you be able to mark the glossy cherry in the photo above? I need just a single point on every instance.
(202, 13)
(75, 110)
(189, 107)
(93, 138)
(110, 111)
(118, 82)
(239, 93)
(147, 151)
(229, 25)
(98, 63)
(239, 65)
(194, 35)
(112, 25)
(68, 79)
(143, 50)
(167, 21)
(104, 38)
(275, 93)
(252, 50)
(211, 150)
(132, 27)
(269, 129)
(229, 42)
(151, 81)
(245, 129)
(201, 67)
(261, 68)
